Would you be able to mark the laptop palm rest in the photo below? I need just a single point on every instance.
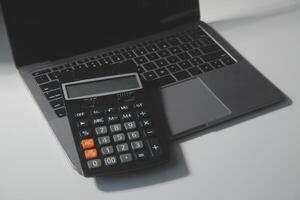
(191, 104)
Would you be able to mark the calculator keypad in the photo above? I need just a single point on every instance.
(117, 136)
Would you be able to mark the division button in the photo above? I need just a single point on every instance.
(96, 163)
(90, 154)
(125, 158)
(142, 114)
(110, 161)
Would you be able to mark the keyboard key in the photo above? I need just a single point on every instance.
(175, 50)
(141, 60)
(197, 34)
(186, 47)
(155, 147)
(195, 52)
(122, 147)
(173, 59)
(196, 61)
(152, 56)
(194, 71)
(133, 135)
(152, 48)
(163, 81)
(119, 137)
(107, 150)
(182, 75)
(102, 130)
(211, 48)
(140, 51)
(117, 58)
(110, 161)
(130, 125)
(50, 86)
(135, 145)
(93, 64)
(150, 66)
(90, 154)
(163, 45)
(197, 44)
(87, 143)
(60, 112)
(129, 55)
(173, 68)
(105, 61)
(228, 61)
(184, 56)
(41, 79)
(92, 164)
(185, 64)
(150, 75)
(164, 53)
(54, 75)
(216, 64)
(57, 103)
(53, 94)
(104, 140)
(162, 71)
(174, 41)
(126, 158)
(213, 56)
(161, 63)
(140, 70)
(38, 73)
(184, 38)
(206, 67)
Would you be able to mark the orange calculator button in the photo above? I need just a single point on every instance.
(90, 154)
(87, 143)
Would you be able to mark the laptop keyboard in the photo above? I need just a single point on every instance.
(166, 60)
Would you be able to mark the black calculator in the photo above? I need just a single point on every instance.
(116, 120)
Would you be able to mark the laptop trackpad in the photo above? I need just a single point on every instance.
(191, 104)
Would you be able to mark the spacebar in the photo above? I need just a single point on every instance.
(164, 81)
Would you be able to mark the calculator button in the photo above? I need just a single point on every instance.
(133, 135)
(125, 158)
(142, 114)
(127, 116)
(98, 121)
(122, 147)
(146, 123)
(137, 145)
(115, 128)
(96, 163)
(124, 107)
(140, 155)
(80, 115)
(104, 140)
(113, 119)
(119, 137)
(110, 161)
(96, 112)
(107, 150)
(90, 154)
(85, 133)
(149, 132)
(82, 124)
(130, 125)
(102, 130)
(139, 105)
(111, 110)
(155, 147)
(87, 143)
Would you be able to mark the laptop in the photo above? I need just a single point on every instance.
(203, 80)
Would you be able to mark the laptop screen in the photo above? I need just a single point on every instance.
(46, 30)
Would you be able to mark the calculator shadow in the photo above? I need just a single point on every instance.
(176, 168)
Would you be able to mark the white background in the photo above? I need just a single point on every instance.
(256, 157)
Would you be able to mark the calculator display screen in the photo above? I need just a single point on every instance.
(102, 86)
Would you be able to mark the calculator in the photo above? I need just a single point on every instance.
(116, 120)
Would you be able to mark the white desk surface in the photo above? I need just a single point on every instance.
(256, 157)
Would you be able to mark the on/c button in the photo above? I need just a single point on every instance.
(90, 154)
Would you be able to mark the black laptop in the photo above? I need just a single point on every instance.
(203, 80)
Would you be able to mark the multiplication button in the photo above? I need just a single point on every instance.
(96, 163)
(146, 123)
